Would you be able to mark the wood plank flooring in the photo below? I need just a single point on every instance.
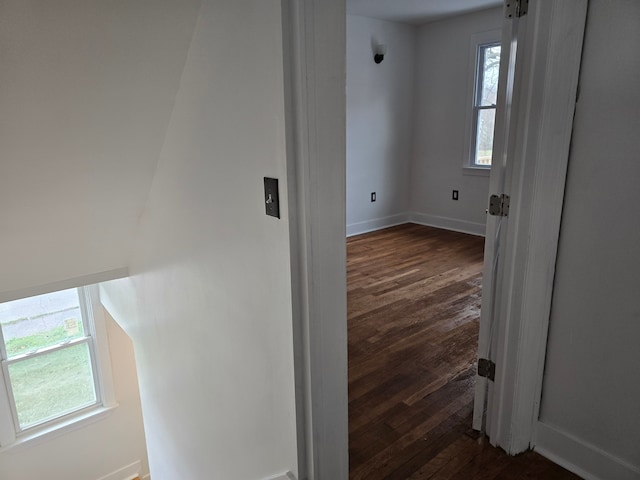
(413, 310)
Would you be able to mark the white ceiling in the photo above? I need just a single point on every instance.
(416, 11)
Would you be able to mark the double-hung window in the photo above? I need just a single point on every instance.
(50, 362)
(484, 107)
(485, 94)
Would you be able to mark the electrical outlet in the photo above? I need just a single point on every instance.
(454, 195)
(373, 196)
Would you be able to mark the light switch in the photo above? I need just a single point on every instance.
(271, 200)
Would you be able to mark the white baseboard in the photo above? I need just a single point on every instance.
(125, 473)
(580, 457)
(376, 224)
(420, 218)
(448, 223)
(282, 476)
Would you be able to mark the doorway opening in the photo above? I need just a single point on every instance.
(415, 116)
(421, 102)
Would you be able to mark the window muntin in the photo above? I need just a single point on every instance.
(484, 103)
(48, 357)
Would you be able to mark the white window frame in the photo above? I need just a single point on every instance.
(477, 41)
(11, 434)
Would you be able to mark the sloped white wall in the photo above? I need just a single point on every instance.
(210, 288)
(590, 411)
(380, 99)
(86, 92)
(94, 450)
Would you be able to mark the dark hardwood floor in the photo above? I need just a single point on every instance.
(413, 312)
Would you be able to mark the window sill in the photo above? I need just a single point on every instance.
(477, 171)
(48, 432)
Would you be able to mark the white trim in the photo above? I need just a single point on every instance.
(496, 226)
(50, 431)
(54, 348)
(101, 341)
(447, 223)
(293, 45)
(282, 476)
(551, 54)
(376, 224)
(314, 36)
(580, 457)
(7, 428)
(125, 473)
(75, 282)
(7, 408)
(476, 171)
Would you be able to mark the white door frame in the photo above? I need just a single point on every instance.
(314, 59)
(314, 39)
(513, 32)
(550, 53)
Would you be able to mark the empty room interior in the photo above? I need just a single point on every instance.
(161, 319)
(416, 213)
(417, 186)
(415, 226)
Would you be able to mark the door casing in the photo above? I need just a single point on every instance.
(314, 60)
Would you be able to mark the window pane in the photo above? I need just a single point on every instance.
(52, 384)
(489, 70)
(484, 142)
(33, 323)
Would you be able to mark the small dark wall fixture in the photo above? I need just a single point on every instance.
(379, 50)
(271, 197)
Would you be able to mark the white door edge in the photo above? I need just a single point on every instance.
(550, 52)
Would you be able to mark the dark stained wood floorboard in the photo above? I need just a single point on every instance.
(413, 309)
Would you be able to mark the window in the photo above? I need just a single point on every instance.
(50, 361)
(486, 60)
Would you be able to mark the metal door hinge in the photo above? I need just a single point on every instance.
(499, 205)
(515, 8)
(487, 369)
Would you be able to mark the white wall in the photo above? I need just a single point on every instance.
(443, 70)
(94, 450)
(590, 414)
(211, 285)
(380, 100)
(86, 92)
